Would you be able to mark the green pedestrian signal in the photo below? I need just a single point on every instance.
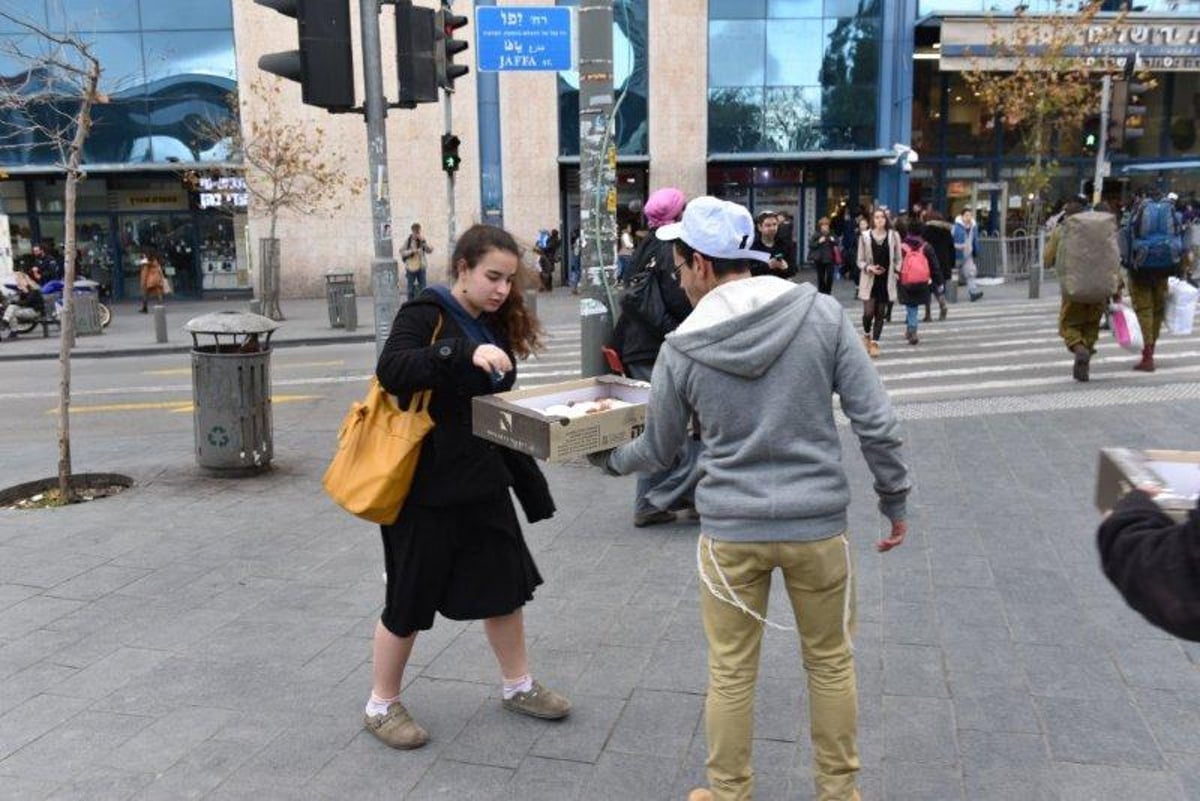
(450, 157)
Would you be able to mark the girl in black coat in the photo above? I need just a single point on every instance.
(456, 547)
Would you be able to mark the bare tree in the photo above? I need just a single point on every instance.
(1034, 82)
(50, 105)
(289, 165)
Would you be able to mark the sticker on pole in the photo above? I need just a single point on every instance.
(589, 307)
(523, 39)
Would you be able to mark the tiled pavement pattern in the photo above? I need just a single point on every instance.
(199, 638)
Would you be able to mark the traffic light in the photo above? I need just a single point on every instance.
(450, 157)
(446, 22)
(324, 64)
(416, 65)
(1091, 134)
(1135, 110)
(1116, 116)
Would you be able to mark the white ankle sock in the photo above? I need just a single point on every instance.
(521, 685)
(379, 706)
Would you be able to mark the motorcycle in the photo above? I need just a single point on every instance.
(52, 297)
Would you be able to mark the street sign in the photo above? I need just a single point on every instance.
(523, 39)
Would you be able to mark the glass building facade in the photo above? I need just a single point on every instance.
(792, 76)
(168, 69)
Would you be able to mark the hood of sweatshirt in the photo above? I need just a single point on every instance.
(743, 326)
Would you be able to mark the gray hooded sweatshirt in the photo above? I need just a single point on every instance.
(759, 361)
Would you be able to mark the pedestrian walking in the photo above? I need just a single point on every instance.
(415, 255)
(878, 261)
(940, 236)
(1155, 248)
(654, 306)
(781, 260)
(966, 245)
(576, 271)
(456, 548)
(759, 360)
(1083, 252)
(625, 248)
(152, 280)
(823, 249)
(918, 264)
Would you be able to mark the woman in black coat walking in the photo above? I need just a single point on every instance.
(456, 548)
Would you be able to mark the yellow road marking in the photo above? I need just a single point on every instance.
(174, 407)
(274, 365)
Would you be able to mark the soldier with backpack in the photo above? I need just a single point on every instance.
(1155, 247)
(1083, 251)
(918, 265)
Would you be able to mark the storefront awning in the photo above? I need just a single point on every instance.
(1156, 166)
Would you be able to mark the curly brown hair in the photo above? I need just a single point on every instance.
(513, 321)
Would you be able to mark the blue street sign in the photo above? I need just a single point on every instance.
(523, 38)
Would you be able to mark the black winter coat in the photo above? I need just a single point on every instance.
(781, 249)
(822, 252)
(940, 236)
(455, 466)
(1154, 562)
(637, 340)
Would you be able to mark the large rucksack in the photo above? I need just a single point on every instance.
(1088, 261)
(1155, 240)
(914, 267)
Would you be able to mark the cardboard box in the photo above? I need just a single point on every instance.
(1177, 473)
(514, 419)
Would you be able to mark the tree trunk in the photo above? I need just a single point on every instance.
(67, 322)
(268, 250)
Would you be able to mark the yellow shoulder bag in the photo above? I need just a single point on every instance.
(378, 448)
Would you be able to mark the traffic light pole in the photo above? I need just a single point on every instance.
(448, 113)
(1102, 144)
(384, 275)
(597, 181)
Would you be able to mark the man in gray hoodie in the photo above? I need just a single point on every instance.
(759, 361)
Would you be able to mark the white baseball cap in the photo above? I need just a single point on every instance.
(717, 228)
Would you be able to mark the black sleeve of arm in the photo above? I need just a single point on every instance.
(674, 298)
(1154, 563)
(409, 363)
(935, 264)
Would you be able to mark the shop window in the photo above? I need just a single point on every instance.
(631, 78)
(12, 197)
(1183, 138)
(804, 98)
(927, 108)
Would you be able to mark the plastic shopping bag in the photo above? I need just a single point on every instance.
(1181, 306)
(1126, 328)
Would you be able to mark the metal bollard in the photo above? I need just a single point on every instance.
(348, 311)
(160, 324)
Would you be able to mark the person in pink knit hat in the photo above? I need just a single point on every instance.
(651, 308)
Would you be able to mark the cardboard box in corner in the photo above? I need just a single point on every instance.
(515, 420)
(1176, 473)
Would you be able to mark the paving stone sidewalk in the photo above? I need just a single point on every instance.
(206, 638)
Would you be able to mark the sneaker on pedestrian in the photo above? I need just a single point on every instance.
(396, 729)
(1082, 357)
(976, 295)
(653, 517)
(873, 349)
(941, 309)
(538, 702)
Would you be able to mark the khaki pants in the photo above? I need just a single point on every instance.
(1079, 323)
(1149, 297)
(818, 579)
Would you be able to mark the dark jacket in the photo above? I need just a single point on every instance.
(782, 249)
(940, 236)
(822, 252)
(1154, 562)
(455, 467)
(638, 340)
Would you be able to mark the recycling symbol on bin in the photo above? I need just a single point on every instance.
(218, 437)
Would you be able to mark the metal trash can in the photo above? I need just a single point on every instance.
(86, 308)
(336, 285)
(348, 309)
(231, 391)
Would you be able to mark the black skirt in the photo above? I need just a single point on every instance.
(467, 562)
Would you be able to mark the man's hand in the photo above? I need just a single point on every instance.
(779, 265)
(492, 360)
(600, 458)
(899, 529)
